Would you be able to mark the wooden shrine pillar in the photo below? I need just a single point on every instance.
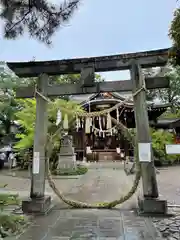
(149, 203)
(38, 202)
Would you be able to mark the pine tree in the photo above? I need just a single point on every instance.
(40, 18)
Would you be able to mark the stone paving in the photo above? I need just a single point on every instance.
(21, 184)
(102, 183)
(96, 186)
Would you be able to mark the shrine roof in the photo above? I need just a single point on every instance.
(88, 97)
(173, 122)
(116, 97)
(130, 105)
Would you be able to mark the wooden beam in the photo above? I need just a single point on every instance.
(146, 59)
(76, 89)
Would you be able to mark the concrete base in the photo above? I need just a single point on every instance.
(152, 206)
(37, 206)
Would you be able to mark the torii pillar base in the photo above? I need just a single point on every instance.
(152, 207)
(37, 206)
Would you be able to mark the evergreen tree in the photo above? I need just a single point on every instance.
(40, 17)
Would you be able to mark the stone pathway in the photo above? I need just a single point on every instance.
(102, 183)
(21, 185)
(96, 186)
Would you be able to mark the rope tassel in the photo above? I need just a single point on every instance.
(78, 123)
(88, 125)
(109, 123)
(65, 122)
(117, 114)
(100, 126)
(59, 117)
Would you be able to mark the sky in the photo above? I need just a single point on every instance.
(100, 28)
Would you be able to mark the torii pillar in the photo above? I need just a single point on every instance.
(149, 203)
(38, 202)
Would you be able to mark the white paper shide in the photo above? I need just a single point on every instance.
(36, 163)
(144, 150)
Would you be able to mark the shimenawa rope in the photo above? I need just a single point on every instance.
(126, 133)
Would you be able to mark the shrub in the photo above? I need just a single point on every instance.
(159, 140)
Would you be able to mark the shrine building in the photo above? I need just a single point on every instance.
(102, 141)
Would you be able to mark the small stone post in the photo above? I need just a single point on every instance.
(149, 203)
(38, 202)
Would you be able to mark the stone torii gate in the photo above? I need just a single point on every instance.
(38, 202)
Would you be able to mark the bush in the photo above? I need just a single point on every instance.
(70, 172)
(159, 140)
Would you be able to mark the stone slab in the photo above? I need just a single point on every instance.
(37, 206)
(91, 225)
(152, 206)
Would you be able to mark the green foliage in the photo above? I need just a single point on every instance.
(8, 104)
(174, 34)
(159, 140)
(70, 172)
(23, 111)
(72, 79)
(8, 199)
(172, 94)
(26, 117)
(174, 31)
